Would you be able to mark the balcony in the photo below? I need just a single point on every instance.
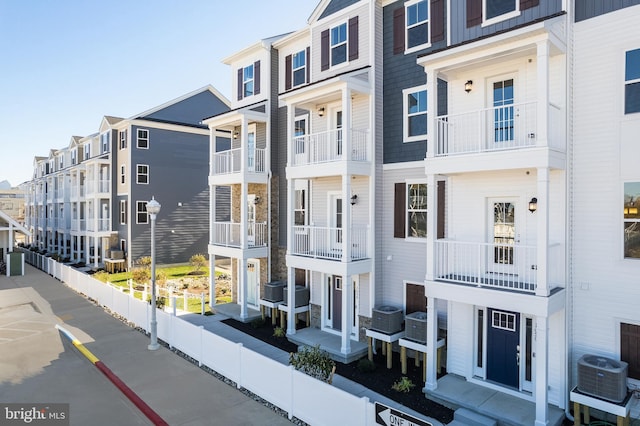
(101, 226)
(230, 161)
(78, 224)
(77, 191)
(101, 186)
(490, 265)
(227, 234)
(328, 146)
(326, 243)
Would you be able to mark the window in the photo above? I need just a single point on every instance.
(61, 162)
(417, 210)
(338, 44)
(141, 212)
(495, 10)
(300, 129)
(630, 348)
(632, 220)
(123, 139)
(415, 112)
(123, 174)
(417, 16)
(632, 82)
(123, 212)
(104, 143)
(299, 208)
(74, 156)
(299, 68)
(142, 174)
(247, 81)
(503, 320)
(87, 151)
(143, 139)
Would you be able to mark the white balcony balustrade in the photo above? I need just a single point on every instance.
(78, 224)
(230, 161)
(326, 242)
(324, 147)
(491, 129)
(227, 234)
(101, 225)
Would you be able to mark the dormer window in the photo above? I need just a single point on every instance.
(104, 143)
(74, 157)
(87, 151)
(249, 80)
(61, 162)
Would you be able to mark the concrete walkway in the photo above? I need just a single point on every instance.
(37, 364)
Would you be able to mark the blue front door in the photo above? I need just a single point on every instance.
(503, 344)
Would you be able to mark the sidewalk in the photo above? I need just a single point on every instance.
(180, 392)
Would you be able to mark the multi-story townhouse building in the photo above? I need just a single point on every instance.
(484, 212)
(604, 186)
(89, 199)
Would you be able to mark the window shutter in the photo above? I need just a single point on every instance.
(256, 78)
(441, 210)
(399, 210)
(240, 77)
(474, 13)
(437, 20)
(324, 50)
(398, 30)
(288, 69)
(527, 4)
(308, 58)
(353, 38)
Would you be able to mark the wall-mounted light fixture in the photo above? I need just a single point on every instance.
(468, 86)
(533, 205)
(631, 211)
(179, 204)
(236, 134)
(256, 200)
(321, 111)
(354, 199)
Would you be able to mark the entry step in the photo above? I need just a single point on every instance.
(466, 417)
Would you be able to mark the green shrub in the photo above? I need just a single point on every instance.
(279, 332)
(314, 362)
(141, 275)
(257, 323)
(366, 366)
(403, 385)
(198, 261)
(144, 262)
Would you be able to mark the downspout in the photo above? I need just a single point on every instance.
(568, 217)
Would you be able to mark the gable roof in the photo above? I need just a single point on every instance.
(329, 7)
(175, 101)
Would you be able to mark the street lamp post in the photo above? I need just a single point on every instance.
(153, 208)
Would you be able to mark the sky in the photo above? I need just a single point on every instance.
(66, 64)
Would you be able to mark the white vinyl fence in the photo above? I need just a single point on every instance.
(292, 391)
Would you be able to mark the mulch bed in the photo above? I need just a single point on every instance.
(380, 380)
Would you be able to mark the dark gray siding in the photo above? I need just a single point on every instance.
(400, 72)
(336, 6)
(279, 162)
(460, 33)
(191, 110)
(586, 9)
(178, 173)
(223, 193)
(122, 230)
(115, 175)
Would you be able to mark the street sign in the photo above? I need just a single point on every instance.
(387, 416)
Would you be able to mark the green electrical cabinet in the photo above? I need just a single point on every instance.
(15, 264)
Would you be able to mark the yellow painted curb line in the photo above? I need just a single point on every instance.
(86, 352)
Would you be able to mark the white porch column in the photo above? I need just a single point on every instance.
(10, 242)
(542, 249)
(432, 351)
(97, 250)
(432, 108)
(242, 287)
(347, 313)
(542, 371)
(346, 123)
(542, 138)
(432, 225)
(346, 218)
(291, 301)
(244, 194)
(212, 280)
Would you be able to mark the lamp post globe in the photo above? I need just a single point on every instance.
(153, 208)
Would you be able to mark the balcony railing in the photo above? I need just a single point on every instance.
(101, 186)
(503, 266)
(328, 146)
(77, 191)
(230, 161)
(326, 243)
(491, 129)
(228, 234)
(78, 224)
(102, 225)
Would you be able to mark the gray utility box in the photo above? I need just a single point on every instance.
(274, 291)
(302, 296)
(387, 319)
(415, 326)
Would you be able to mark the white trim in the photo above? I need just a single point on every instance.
(406, 27)
(166, 126)
(208, 87)
(138, 211)
(404, 165)
(122, 213)
(405, 114)
(409, 182)
(252, 80)
(138, 138)
(294, 69)
(123, 174)
(499, 18)
(138, 174)
(333, 66)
